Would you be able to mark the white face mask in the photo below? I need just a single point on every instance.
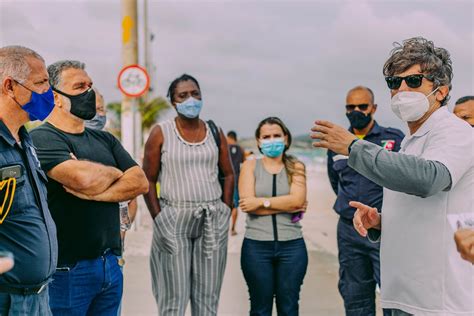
(410, 106)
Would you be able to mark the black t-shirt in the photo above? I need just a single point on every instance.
(237, 156)
(85, 228)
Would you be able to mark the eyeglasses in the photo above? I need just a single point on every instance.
(351, 107)
(413, 81)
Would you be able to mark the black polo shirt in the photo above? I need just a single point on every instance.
(349, 185)
(85, 228)
(26, 229)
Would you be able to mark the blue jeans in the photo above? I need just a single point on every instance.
(274, 269)
(20, 305)
(89, 287)
(359, 270)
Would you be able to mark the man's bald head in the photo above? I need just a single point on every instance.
(363, 90)
(464, 109)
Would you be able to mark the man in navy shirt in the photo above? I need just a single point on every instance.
(26, 227)
(359, 262)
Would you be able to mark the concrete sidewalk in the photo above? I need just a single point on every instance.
(319, 295)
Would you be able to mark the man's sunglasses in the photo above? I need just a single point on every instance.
(351, 107)
(413, 81)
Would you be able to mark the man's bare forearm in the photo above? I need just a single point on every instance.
(151, 200)
(132, 184)
(102, 177)
(86, 177)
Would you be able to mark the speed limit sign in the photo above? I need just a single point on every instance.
(133, 81)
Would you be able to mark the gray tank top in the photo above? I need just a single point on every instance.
(188, 170)
(262, 227)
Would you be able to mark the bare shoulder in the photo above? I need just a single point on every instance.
(300, 166)
(249, 164)
(156, 134)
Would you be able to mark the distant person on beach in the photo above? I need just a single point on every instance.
(191, 218)
(274, 256)
(428, 186)
(249, 155)
(359, 261)
(237, 157)
(464, 109)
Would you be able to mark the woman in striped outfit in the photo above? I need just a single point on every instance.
(273, 190)
(191, 218)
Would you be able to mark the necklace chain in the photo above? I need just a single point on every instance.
(196, 135)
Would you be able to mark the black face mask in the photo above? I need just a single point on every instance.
(82, 105)
(358, 119)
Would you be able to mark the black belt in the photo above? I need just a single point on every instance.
(22, 290)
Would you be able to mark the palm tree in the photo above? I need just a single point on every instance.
(150, 111)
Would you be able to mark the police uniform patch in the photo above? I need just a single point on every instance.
(7, 192)
(388, 144)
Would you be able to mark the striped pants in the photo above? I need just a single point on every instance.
(188, 257)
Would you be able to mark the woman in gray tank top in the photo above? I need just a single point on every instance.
(191, 218)
(273, 191)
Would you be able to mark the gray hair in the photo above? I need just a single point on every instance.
(55, 70)
(435, 62)
(13, 62)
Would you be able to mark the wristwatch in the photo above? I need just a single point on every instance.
(266, 203)
(350, 145)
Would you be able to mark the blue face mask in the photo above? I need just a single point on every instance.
(98, 122)
(40, 105)
(189, 108)
(272, 147)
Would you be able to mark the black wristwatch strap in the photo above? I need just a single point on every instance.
(350, 146)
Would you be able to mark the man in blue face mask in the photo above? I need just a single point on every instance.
(27, 229)
(89, 173)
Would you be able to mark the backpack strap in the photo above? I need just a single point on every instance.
(215, 133)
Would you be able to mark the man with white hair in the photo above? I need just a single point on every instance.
(26, 227)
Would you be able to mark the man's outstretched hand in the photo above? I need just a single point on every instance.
(332, 137)
(365, 217)
(464, 239)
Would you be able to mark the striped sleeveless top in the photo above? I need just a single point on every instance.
(189, 171)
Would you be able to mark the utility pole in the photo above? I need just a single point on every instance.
(131, 133)
(146, 52)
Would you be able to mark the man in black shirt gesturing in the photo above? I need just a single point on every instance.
(89, 173)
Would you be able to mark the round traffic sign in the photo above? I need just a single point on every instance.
(133, 81)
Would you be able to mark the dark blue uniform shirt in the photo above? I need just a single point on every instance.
(350, 185)
(27, 230)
